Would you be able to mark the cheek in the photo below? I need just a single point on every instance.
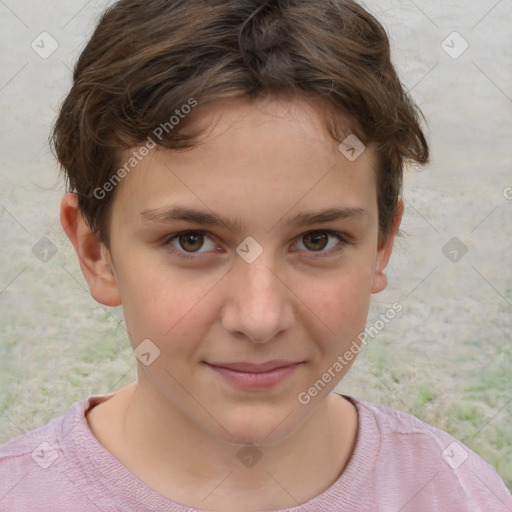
(175, 307)
(169, 307)
(338, 305)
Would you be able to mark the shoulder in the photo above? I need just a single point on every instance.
(426, 463)
(25, 447)
(35, 464)
(25, 463)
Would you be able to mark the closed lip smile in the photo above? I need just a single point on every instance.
(255, 376)
(255, 367)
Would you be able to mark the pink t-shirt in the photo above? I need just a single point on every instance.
(399, 464)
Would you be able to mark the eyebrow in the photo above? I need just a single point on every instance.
(180, 213)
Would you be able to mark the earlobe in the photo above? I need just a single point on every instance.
(380, 280)
(93, 256)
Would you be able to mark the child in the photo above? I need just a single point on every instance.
(271, 137)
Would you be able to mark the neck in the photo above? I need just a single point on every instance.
(186, 464)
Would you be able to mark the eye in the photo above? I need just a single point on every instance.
(187, 244)
(317, 241)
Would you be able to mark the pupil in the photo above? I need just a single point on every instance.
(195, 242)
(317, 238)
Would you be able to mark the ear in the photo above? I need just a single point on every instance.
(95, 259)
(380, 279)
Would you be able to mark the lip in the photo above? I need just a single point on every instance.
(255, 367)
(255, 376)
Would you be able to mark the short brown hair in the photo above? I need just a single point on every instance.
(147, 58)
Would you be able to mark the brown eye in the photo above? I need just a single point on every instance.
(191, 242)
(322, 243)
(316, 241)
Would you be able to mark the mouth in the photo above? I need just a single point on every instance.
(255, 376)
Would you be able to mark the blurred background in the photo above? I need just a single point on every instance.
(446, 359)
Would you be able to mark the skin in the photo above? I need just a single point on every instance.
(179, 427)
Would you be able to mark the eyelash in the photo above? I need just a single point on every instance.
(320, 254)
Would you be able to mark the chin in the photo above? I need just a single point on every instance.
(258, 426)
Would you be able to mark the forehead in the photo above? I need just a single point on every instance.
(276, 154)
(301, 114)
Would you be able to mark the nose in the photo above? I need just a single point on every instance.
(259, 305)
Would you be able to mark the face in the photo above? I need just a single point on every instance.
(256, 247)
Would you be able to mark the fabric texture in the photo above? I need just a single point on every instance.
(399, 463)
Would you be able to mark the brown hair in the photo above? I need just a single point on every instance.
(148, 58)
